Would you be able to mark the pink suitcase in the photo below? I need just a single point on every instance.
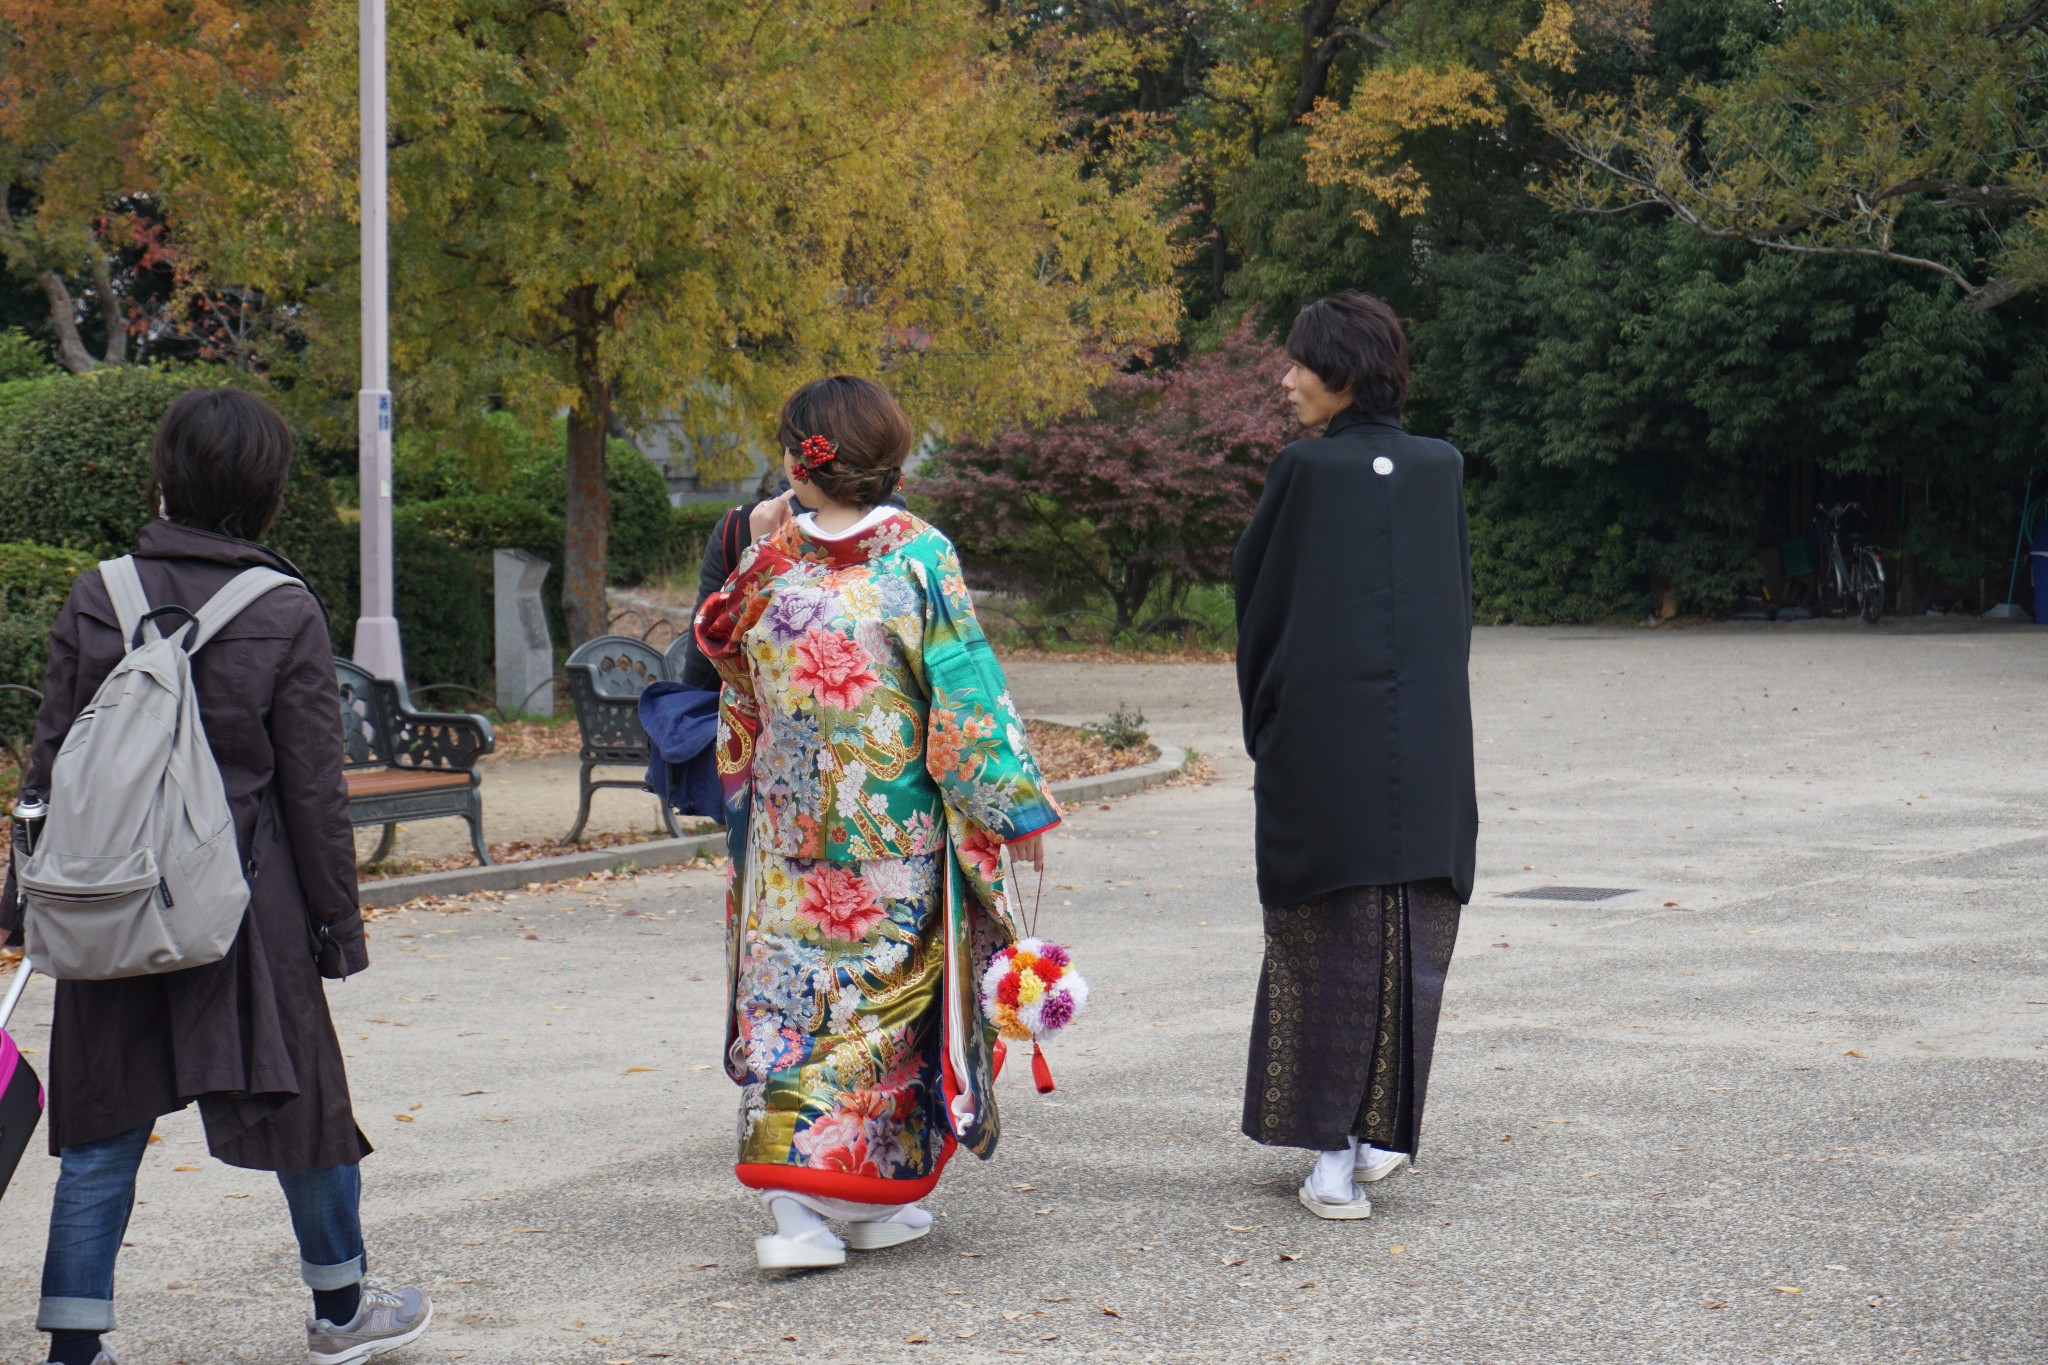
(21, 1093)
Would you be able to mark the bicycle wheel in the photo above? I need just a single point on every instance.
(1869, 593)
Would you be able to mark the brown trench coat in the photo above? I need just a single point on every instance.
(248, 1037)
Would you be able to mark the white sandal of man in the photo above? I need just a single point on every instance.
(906, 1224)
(1375, 1164)
(1358, 1206)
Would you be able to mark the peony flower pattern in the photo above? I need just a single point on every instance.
(841, 903)
(834, 669)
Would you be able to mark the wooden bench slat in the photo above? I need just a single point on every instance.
(393, 781)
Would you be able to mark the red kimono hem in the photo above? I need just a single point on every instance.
(855, 1189)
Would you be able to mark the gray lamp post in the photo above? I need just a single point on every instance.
(376, 643)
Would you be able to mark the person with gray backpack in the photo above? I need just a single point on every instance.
(192, 882)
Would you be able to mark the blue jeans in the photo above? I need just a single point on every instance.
(96, 1193)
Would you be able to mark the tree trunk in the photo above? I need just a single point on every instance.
(111, 316)
(71, 352)
(587, 505)
(1318, 51)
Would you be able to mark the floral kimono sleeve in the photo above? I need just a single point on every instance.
(721, 628)
(975, 748)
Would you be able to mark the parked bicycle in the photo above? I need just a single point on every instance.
(1851, 572)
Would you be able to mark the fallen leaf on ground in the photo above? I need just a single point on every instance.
(1396, 1249)
(403, 1118)
(633, 1070)
(1715, 1303)
(1788, 1289)
(1109, 1312)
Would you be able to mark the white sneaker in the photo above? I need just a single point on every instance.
(1375, 1164)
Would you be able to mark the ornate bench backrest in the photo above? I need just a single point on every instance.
(606, 677)
(676, 657)
(365, 724)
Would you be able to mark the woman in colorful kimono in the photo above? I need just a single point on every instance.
(874, 771)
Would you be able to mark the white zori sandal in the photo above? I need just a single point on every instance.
(1332, 1189)
(1357, 1206)
(802, 1241)
(903, 1223)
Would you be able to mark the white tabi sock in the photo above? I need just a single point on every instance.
(793, 1219)
(1331, 1181)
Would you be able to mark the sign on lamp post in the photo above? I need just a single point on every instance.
(376, 643)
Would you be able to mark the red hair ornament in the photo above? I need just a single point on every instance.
(815, 450)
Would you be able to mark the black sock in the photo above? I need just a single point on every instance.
(338, 1306)
(74, 1348)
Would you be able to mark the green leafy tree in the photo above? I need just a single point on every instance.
(634, 208)
(1852, 128)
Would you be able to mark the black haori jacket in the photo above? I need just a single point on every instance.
(1354, 621)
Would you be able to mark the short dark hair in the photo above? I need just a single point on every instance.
(1354, 341)
(220, 462)
(862, 420)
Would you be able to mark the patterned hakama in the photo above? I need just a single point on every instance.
(1346, 1016)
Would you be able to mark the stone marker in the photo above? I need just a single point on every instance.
(526, 654)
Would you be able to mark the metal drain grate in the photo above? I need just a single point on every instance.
(1569, 893)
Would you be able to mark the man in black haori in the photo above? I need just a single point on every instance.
(1354, 613)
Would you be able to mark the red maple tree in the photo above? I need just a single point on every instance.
(1148, 492)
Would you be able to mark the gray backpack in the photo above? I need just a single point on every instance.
(137, 871)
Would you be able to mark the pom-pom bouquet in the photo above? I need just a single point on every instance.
(1031, 990)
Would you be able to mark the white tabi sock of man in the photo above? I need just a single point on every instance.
(1332, 1180)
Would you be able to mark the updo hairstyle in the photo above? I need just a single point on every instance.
(860, 418)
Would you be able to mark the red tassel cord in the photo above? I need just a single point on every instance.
(1041, 1073)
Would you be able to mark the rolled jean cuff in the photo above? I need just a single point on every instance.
(75, 1315)
(325, 1277)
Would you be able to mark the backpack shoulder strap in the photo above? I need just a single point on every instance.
(225, 605)
(131, 603)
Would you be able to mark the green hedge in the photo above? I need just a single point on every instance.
(74, 458)
(503, 462)
(22, 356)
(34, 581)
(443, 600)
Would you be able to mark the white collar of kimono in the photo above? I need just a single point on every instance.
(808, 524)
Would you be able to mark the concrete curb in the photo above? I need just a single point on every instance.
(461, 881)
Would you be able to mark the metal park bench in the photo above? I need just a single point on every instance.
(606, 677)
(404, 765)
